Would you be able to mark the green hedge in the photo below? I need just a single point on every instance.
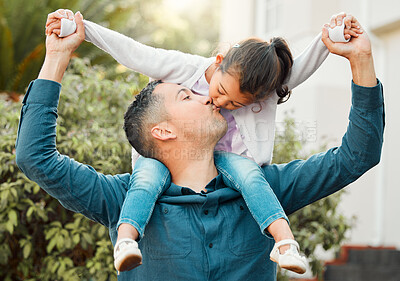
(39, 239)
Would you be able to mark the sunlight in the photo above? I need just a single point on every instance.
(179, 5)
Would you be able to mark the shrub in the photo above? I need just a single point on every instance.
(39, 239)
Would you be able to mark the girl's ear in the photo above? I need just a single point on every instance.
(219, 58)
(162, 132)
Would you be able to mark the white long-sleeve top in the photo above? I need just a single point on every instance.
(257, 130)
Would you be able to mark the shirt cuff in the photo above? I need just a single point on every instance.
(41, 91)
(367, 97)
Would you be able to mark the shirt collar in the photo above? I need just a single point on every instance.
(176, 190)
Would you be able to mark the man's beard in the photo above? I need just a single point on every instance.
(207, 133)
(220, 127)
(217, 128)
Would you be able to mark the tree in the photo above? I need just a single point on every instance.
(22, 35)
(319, 224)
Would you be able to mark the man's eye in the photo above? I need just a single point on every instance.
(187, 98)
(221, 93)
(235, 105)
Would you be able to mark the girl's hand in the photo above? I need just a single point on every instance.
(53, 24)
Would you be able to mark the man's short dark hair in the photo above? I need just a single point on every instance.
(143, 113)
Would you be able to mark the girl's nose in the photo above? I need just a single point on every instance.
(222, 101)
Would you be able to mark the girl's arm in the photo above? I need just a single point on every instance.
(343, 28)
(307, 62)
(168, 65)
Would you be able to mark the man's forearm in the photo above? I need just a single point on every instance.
(54, 67)
(363, 71)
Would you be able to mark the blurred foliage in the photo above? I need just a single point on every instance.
(319, 225)
(22, 39)
(192, 28)
(39, 239)
(22, 22)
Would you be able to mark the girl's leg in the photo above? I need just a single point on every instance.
(125, 230)
(280, 230)
(247, 177)
(148, 181)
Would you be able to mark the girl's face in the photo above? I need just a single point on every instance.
(225, 91)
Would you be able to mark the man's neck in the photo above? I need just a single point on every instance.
(193, 169)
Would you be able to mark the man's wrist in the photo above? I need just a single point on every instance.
(54, 66)
(363, 70)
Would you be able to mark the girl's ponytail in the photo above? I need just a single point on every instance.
(285, 62)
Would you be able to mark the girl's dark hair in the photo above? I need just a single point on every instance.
(261, 67)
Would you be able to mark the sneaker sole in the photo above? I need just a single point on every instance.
(293, 268)
(130, 263)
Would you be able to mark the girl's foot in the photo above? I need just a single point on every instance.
(127, 255)
(291, 259)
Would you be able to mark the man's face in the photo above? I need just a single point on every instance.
(194, 117)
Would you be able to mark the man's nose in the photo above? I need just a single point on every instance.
(206, 100)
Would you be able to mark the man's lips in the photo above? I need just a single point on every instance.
(215, 108)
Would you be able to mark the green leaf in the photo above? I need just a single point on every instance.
(51, 245)
(13, 217)
(29, 212)
(76, 238)
(9, 227)
(87, 237)
(27, 250)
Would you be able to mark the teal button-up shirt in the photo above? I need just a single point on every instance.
(201, 236)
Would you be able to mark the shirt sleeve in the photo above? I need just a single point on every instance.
(301, 182)
(159, 64)
(76, 186)
(307, 62)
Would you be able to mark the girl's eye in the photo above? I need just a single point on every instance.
(235, 105)
(221, 93)
(187, 98)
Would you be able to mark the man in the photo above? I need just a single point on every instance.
(199, 229)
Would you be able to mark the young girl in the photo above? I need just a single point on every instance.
(252, 71)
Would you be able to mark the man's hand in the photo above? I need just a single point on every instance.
(350, 23)
(358, 45)
(56, 45)
(357, 51)
(59, 50)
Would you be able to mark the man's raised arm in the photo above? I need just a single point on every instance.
(78, 187)
(302, 182)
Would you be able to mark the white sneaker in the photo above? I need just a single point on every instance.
(291, 259)
(127, 255)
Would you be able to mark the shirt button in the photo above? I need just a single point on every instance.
(210, 245)
(165, 211)
(206, 212)
(241, 207)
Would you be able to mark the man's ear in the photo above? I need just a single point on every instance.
(162, 132)
(219, 58)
